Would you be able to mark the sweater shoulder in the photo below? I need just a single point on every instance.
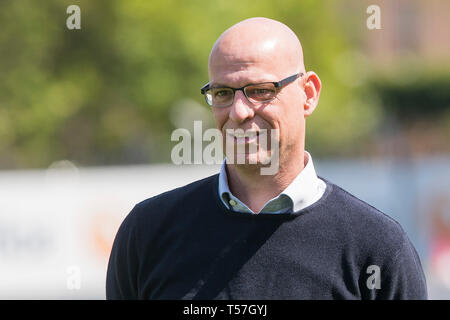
(363, 222)
(362, 208)
(163, 216)
(173, 200)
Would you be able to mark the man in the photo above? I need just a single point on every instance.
(246, 235)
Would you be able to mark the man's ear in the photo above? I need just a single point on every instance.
(312, 87)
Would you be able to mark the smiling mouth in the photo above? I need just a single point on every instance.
(246, 137)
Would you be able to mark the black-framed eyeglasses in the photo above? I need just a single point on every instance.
(256, 93)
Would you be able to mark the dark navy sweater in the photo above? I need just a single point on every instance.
(185, 244)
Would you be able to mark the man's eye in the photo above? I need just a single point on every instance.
(261, 93)
(222, 93)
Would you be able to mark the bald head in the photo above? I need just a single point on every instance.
(257, 40)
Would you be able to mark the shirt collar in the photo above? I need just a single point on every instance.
(303, 191)
(303, 188)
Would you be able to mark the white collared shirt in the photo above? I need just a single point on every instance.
(303, 191)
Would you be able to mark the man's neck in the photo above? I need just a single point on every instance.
(254, 189)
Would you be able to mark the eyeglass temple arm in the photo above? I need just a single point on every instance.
(204, 88)
(287, 80)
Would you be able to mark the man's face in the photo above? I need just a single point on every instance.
(238, 68)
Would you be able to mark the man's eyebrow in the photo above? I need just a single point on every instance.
(220, 85)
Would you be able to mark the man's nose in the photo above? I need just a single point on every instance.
(241, 109)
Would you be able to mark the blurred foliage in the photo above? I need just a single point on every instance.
(414, 95)
(109, 93)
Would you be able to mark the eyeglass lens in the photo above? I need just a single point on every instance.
(255, 93)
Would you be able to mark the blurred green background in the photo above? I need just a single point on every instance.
(112, 92)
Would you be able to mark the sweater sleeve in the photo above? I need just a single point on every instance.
(121, 277)
(403, 278)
